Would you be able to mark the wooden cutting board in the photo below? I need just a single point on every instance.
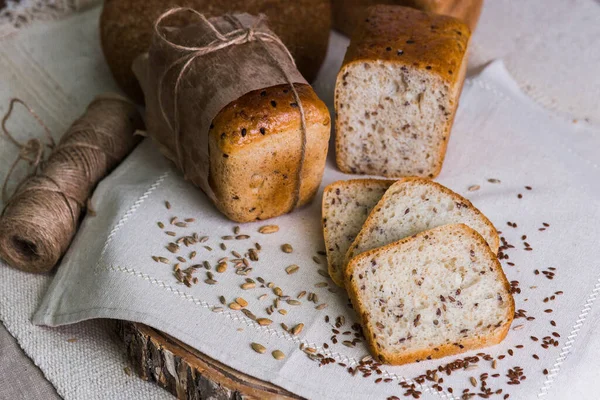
(187, 373)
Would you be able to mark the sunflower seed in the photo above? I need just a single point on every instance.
(296, 330)
(249, 314)
(221, 267)
(266, 229)
(248, 285)
(259, 348)
(323, 273)
(292, 269)
(241, 301)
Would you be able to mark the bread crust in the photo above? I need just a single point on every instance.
(254, 175)
(348, 13)
(271, 110)
(333, 273)
(407, 38)
(443, 350)
(406, 29)
(416, 180)
(126, 30)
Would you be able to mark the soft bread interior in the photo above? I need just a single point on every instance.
(443, 287)
(411, 206)
(392, 119)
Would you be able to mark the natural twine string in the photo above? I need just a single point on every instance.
(239, 36)
(40, 219)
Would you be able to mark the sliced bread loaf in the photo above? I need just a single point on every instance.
(414, 205)
(397, 92)
(438, 293)
(346, 206)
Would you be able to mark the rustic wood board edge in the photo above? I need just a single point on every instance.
(187, 373)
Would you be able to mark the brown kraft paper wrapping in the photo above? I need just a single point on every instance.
(179, 113)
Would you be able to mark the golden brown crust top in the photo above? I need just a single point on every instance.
(261, 113)
(412, 38)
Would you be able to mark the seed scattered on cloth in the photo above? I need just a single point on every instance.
(266, 229)
(259, 348)
(278, 355)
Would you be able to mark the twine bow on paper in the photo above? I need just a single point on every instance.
(241, 35)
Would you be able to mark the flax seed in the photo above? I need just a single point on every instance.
(278, 355)
(168, 205)
(287, 248)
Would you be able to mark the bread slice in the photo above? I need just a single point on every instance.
(428, 296)
(397, 92)
(346, 206)
(414, 205)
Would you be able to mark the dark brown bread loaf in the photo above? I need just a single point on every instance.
(126, 30)
(347, 13)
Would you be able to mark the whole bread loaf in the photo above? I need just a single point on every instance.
(428, 296)
(126, 30)
(348, 13)
(254, 152)
(397, 92)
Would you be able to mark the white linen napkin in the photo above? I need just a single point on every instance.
(499, 135)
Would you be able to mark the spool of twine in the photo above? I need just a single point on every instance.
(42, 216)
